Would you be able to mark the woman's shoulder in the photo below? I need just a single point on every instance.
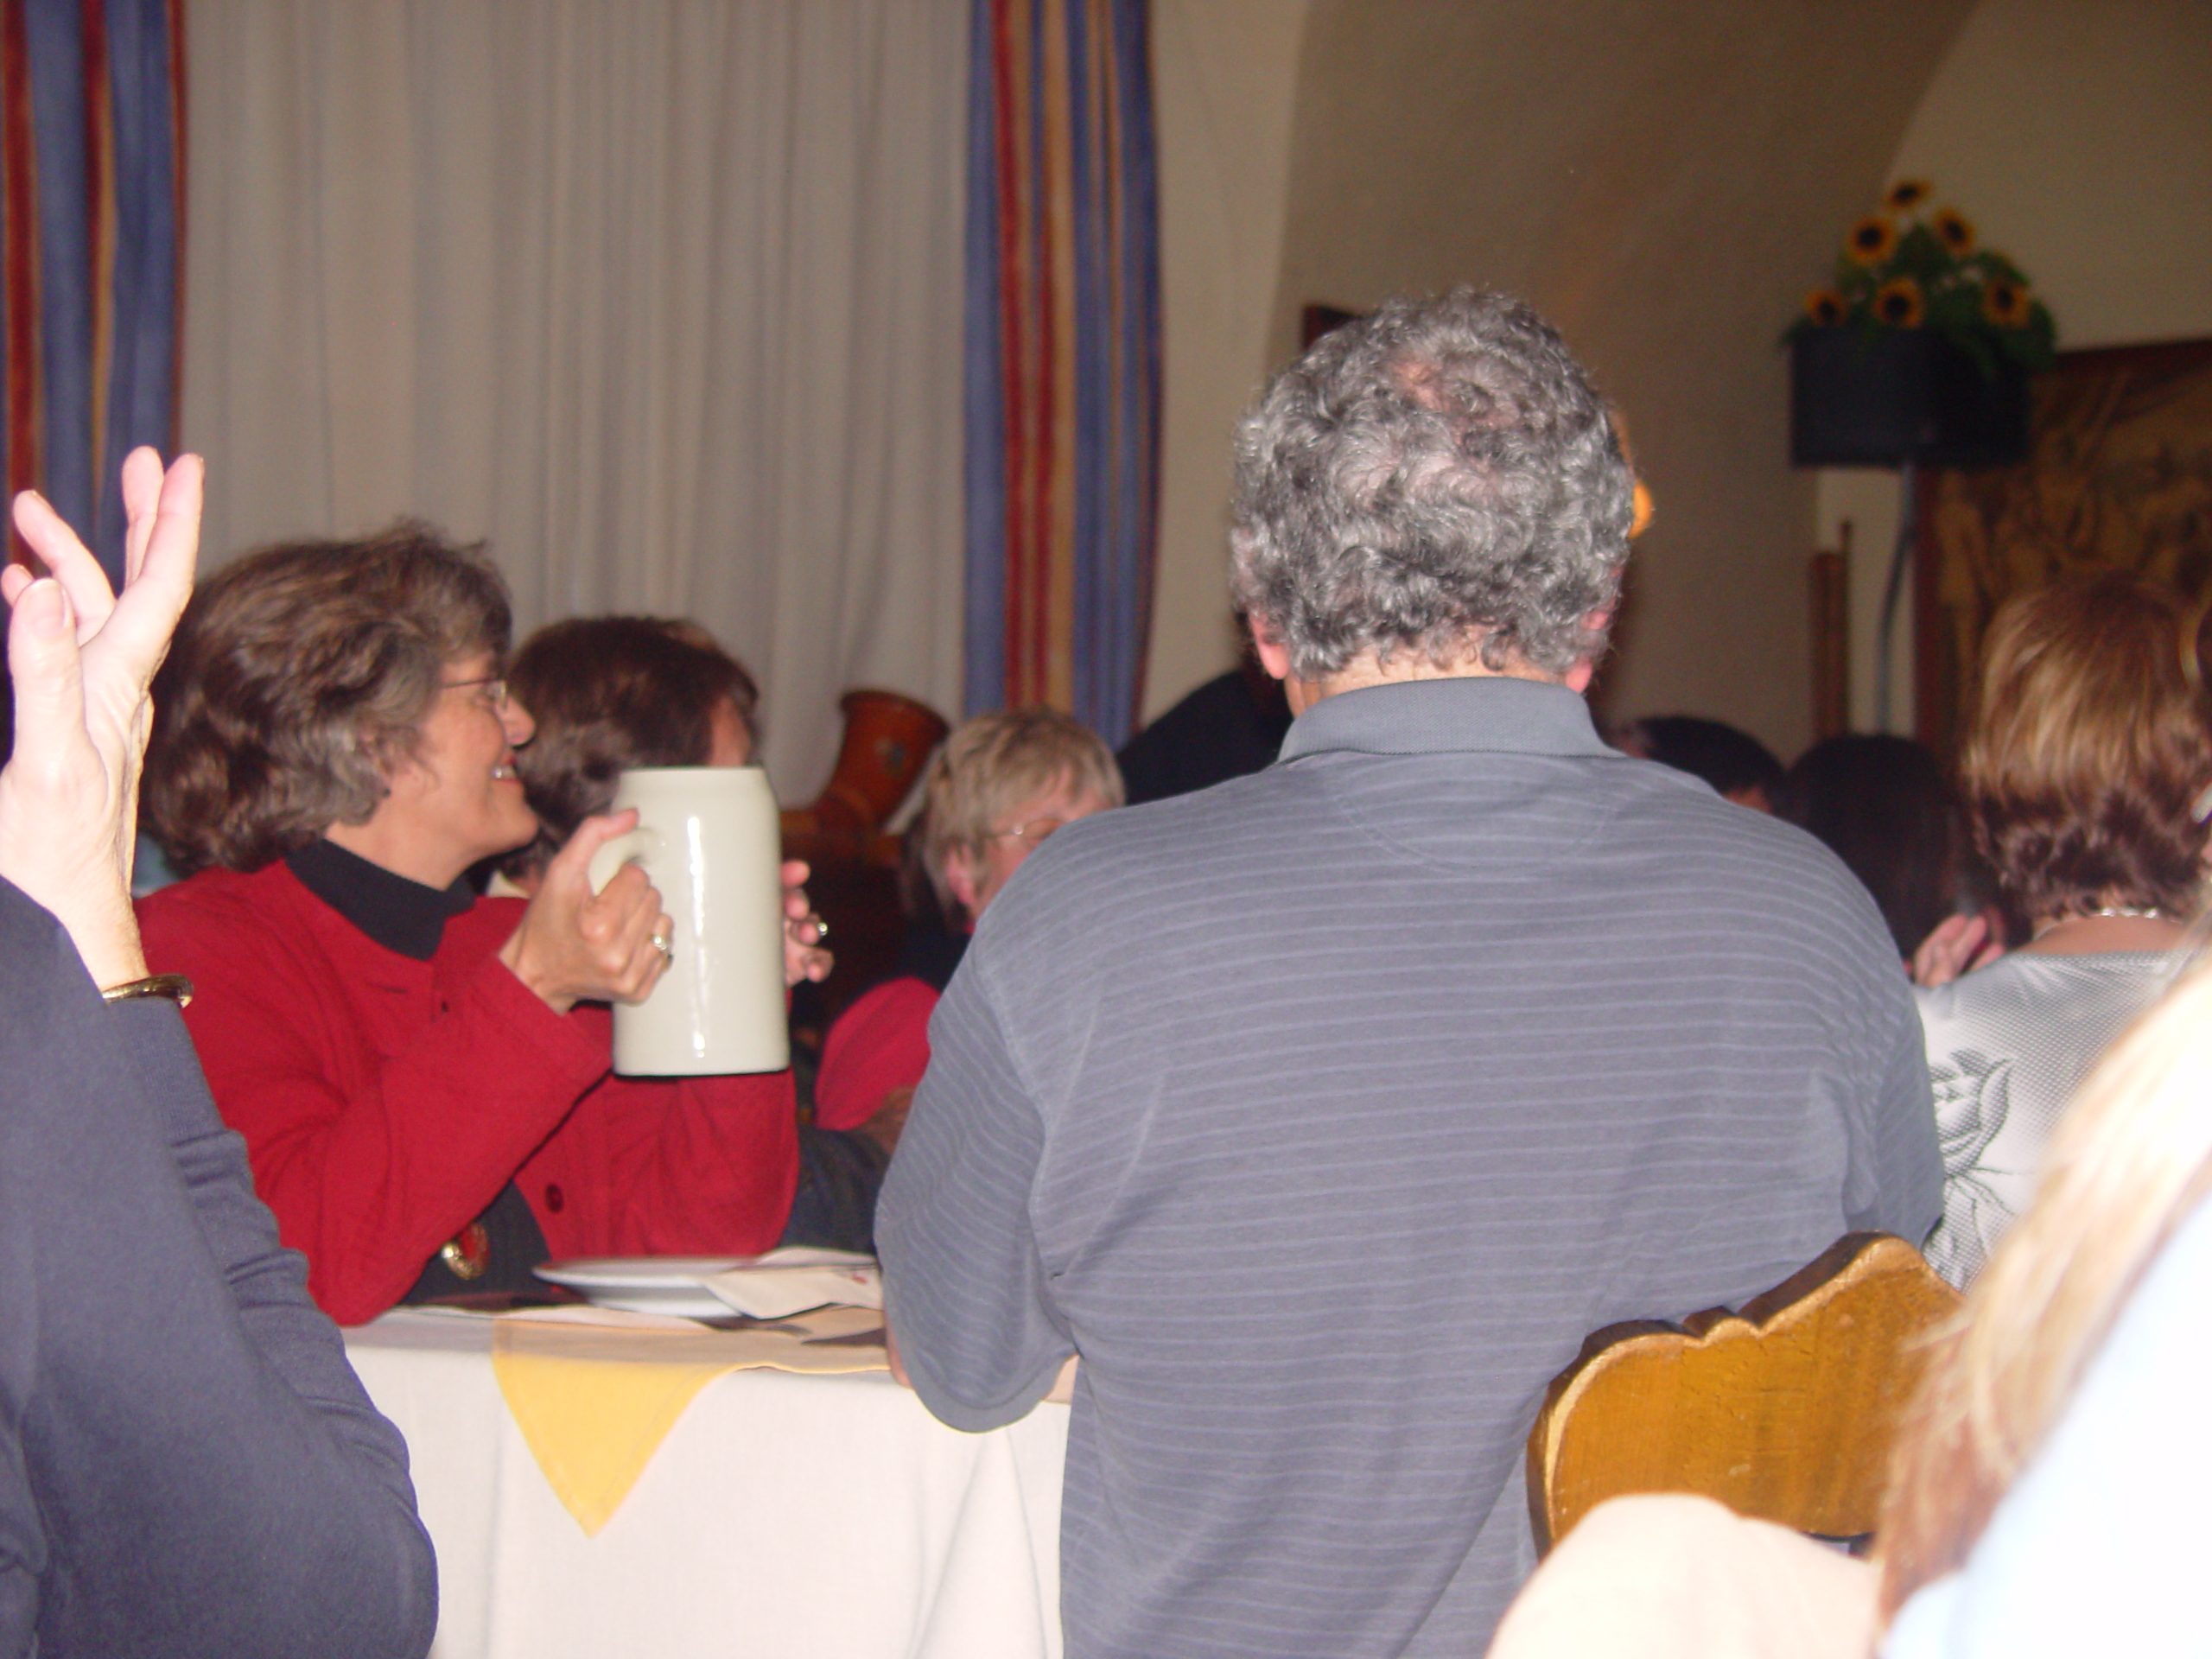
(221, 898)
(2035, 1006)
(258, 926)
(2028, 981)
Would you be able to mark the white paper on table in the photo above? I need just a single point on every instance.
(796, 1277)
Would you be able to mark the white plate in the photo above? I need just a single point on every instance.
(645, 1284)
(670, 1284)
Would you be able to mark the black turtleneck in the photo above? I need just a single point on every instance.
(398, 914)
(409, 918)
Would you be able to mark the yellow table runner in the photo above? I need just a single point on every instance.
(595, 1391)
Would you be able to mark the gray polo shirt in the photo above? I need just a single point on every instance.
(1325, 1111)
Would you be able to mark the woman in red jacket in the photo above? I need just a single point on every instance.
(420, 1075)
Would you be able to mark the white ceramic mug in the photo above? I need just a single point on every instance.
(710, 841)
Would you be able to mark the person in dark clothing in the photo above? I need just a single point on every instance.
(1232, 725)
(187, 1464)
(1739, 768)
(1884, 806)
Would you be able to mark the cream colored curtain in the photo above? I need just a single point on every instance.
(662, 296)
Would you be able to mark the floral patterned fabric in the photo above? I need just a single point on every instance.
(2006, 1049)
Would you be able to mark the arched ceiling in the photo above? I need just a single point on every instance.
(1665, 181)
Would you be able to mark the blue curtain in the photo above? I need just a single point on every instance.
(1063, 358)
(91, 200)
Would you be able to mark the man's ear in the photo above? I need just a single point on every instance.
(1597, 624)
(1272, 655)
(960, 877)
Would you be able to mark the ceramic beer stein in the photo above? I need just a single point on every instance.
(709, 839)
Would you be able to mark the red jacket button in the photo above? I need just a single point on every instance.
(554, 1199)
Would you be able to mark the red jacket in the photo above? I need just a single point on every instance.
(880, 1043)
(386, 1101)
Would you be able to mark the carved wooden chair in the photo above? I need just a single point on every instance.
(1784, 1412)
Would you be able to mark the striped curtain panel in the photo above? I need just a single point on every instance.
(1063, 358)
(91, 201)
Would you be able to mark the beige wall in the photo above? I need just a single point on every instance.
(1664, 182)
(2079, 140)
(1225, 72)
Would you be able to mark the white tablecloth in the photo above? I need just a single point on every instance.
(784, 1514)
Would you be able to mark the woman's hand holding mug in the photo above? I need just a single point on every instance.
(572, 946)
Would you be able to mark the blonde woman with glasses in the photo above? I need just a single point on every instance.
(1002, 785)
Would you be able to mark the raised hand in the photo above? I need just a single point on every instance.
(83, 659)
(574, 946)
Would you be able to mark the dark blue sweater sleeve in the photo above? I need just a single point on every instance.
(187, 1463)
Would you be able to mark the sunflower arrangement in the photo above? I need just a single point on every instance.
(1909, 266)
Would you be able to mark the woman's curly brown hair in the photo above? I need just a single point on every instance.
(609, 693)
(299, 675)
(2090, 746)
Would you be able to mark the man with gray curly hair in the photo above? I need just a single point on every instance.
(1435, 491)
(1315, 1118)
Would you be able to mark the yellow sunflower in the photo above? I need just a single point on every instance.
(1872, 239)
(1825, 306)
(1954, 230)
(1906, 194)
(1898, 302)
(2006, 303)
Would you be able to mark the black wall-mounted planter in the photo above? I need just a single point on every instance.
(1904, 395)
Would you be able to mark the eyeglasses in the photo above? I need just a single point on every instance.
(1032, 831)
(493, 696)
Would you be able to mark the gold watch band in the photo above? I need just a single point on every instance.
(175, 987)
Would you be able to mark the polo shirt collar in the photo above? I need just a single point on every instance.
(398, 914)
(1461, 714)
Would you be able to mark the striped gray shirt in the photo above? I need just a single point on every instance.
(1325, 1112)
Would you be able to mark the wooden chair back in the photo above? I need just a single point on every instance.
(1784, 1412)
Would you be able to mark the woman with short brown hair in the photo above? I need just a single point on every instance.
(2090, 750)
(2084, 769)
(420, 1075)
(609, 693)
(306, 674)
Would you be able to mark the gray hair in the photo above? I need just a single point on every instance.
(1440, 477)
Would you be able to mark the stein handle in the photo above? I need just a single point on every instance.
(627, 848)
